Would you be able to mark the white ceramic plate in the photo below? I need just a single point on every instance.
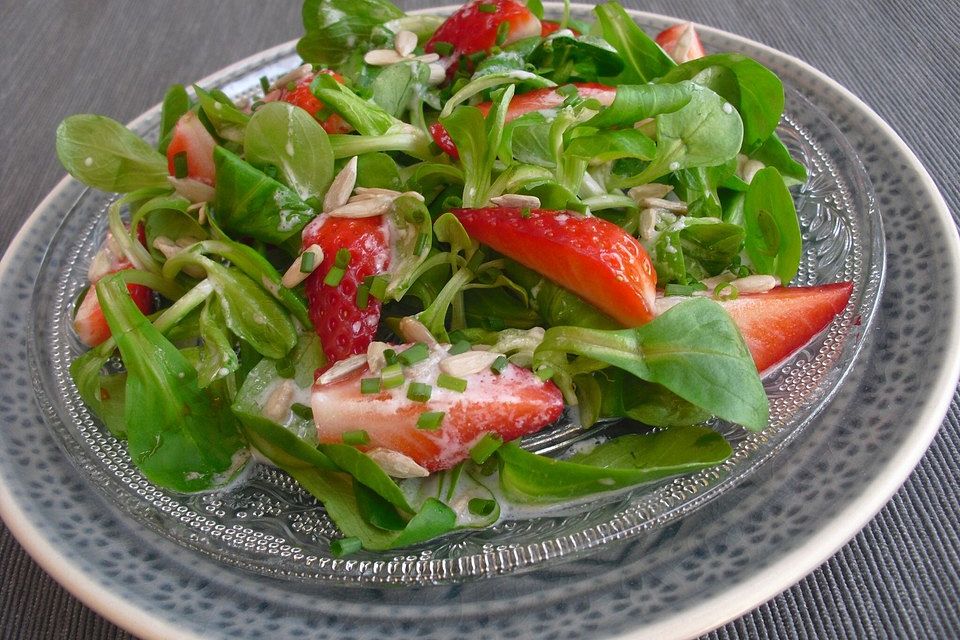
(673, 581)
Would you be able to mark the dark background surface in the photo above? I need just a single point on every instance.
(899, 578)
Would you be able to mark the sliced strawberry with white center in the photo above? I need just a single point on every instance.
(681, 42)
(89, 321)
(474, 27)
(779, 322)
(300, 95)
(343, 327)
(190, 152)
(511, 404)
(591, 257)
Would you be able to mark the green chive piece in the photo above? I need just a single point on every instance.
(460, 346)
(363, 297)
(487, 8)
(453, 383)
(265, 84)
(443, 48)
(391, 357)
(256, 105)
(481, 451)
(414, 354)
(502, 32)
(683, 289)
(525, 213)
(285, 369)
(345, 546)
(378, 286)
(422, 241)
(430, 420)
(291, 85)
(180, 165)
(451, 202)
(334, 276)
(481, 506)
(343, 257)
(726, 291)
(356, 437)
(419, 391)
(302, 411)
(544, 373)
(391, 377)
(308, 262)
(370, 385)
(499, 365)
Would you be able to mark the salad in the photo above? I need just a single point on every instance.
(433, 238)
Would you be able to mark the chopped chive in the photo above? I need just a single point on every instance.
(334, 276)
(481, 506)
(180, 165)
(343, 257)
(271, 171)
(430, 420)
(370, 385)
(452, 202)
(390, 356)
(499, 365)
(477, 58)
(743, 271)
(363, 297)
(413, 215)
(453, 383)
(726, 291)
(302, 411)
(378, 286)
(460, 346)
(285, 369)
(525, 212)
(443, 48)
(422, 241)
(544, 373)
(265, 84)
(487, 7)
(485, 448)
(683, 289)
(502, 32)
(356, 437)
(291, 85)
(419, 391)
(308, 262)
(414, 354)
(256, 105)
(391, 377)
(345, 546)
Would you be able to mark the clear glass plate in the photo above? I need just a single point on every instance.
(269, 526)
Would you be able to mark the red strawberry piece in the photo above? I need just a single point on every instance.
(777, 323)
(192, 139)
(343, 327)
(537, 100)
(89, 321)
(591, 257)
(301, 96)
(512, 404)
(681, 42)
(473, 27)
(548, 27)
(443, 140)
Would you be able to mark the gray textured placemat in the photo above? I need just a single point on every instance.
(899, 578)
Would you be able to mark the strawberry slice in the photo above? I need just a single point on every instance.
(343, 327)
(192, 139)
(591, 257)
(777, 323)
(537, 100)
(549, 27)
(681, 42)
(89, 322)
(474, 26)
(301, 96)
(512, 404)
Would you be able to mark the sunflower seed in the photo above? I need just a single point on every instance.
(412, 330)
(376, 191)
(192, 190)
(516, 200)
(648, 223)
(650, 190)
(405, 42)
(755, 283)
(468, 363)
(437, 74)
(666, 205)
(427, 58)
(382, 57)
(342, 186)
(397, 465)
(343, 368)
(292, 76)
(375, 358)
(295, 274)
(278, 403)
(365, 208)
